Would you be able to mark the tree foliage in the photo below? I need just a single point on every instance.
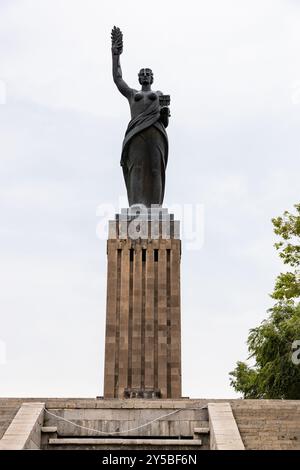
(272, 344)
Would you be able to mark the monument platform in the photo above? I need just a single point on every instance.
(183, 424)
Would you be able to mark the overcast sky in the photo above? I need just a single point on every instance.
(232, 69)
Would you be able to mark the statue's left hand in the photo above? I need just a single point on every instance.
(116, 41)
(164, 115)
(165, 111)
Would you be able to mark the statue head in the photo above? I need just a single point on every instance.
(146, 77)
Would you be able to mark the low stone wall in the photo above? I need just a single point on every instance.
(268, 424)
(135, 423)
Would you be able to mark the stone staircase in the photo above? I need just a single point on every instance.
(52, 441)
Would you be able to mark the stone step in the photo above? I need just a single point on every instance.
(49, 429)
(5, 411)
(127, 442)
(204, 430)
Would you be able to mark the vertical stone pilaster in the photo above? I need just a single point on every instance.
(136, 318)
(162, 318)
(110, 334)
(175, 320)
(149, 319)
(124, 320)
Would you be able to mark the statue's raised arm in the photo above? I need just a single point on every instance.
(117, 49)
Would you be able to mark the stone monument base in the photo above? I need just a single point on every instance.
(142, 339)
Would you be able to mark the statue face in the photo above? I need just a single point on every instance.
(145, 77)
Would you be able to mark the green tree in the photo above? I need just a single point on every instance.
(274, 346)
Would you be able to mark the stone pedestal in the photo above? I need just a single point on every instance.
(142, 345)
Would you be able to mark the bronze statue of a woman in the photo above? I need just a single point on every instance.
(145, 146)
